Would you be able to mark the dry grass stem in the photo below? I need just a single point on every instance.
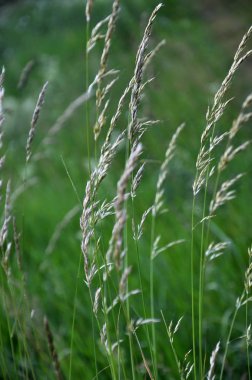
(34, 121)
(52, 350)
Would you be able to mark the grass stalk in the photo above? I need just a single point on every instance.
(228, 342)
(202, 281)
(192, 292)
(74, 318)
(172, 348)
(247, 341)
(152, 307)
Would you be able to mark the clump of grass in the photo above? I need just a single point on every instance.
(111, 233)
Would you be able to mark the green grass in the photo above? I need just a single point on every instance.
(187, 72)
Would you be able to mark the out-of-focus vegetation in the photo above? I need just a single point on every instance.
(201, 39)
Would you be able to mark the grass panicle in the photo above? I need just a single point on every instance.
(138, 76)
(34, 121)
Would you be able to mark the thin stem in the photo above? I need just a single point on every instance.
(74, 317)
(173, 349)
(247, 341)
(201, 281)
(86, 104)
(3, 364)
(192, 293)
(141, 284)
(227, 342)
(106, 294)
(127, 154)
(153, 331)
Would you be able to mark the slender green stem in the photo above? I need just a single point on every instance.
(87, 104)
(192, 294)
(110, 352)
(181, 377)
(153, 330)
(94, 344)
(126, 263)
(247, 341)
(74, 317)
(128, 311)
(141, 285)
(2, 349)
(106, 295)
(227, 342)
(202, 281)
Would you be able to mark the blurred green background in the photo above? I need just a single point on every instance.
(201, 38)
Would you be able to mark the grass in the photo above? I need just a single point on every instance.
(147, 344)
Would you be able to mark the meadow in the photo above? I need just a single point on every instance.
(125, 191)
